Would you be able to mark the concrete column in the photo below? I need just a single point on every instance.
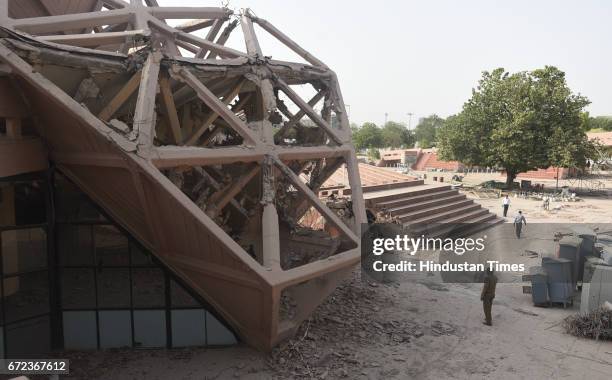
(270, 237)
(269, 220)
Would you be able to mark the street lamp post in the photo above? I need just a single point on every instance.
(409, 119)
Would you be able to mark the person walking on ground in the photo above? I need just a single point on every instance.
(487, 295)
(546, 205)
(506, 205)
(519, 220)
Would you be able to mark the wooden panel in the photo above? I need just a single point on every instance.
(21, 156)
(11, 104)
(113, 190)
(58, 128)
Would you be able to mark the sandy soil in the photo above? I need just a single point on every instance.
(586, 210)
(420, 330)
(372, 331)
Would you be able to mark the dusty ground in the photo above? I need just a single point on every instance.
(424, 330)
(372, 331)
(587, 210)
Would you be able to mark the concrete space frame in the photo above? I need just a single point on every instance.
(200, 156)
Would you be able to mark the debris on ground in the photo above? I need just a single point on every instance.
(350, 317)
(596, 324)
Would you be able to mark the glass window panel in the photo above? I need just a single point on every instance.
(75, 245)
(115, 329)
(1, 308)
(113, 287)
(24, 250)
(149, 328)
(188, 328)
(140, 257)
(26, 295)
(71, 205)
(180, 297)
(80, 331)
(30, 203)
(111, 246)
(148, 287)
(7, 204)
(31, 338)
(78, 288)
(217, 334)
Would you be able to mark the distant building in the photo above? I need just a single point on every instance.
(604, 138)
(418, 159)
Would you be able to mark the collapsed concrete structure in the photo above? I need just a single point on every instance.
(188, 152)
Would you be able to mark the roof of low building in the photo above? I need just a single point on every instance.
(604, 138)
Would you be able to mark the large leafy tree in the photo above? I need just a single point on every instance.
(426, 130)
(603, 123)
(519, 122)
(368, 136)
(396, 135)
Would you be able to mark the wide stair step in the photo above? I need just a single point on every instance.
(435, 210)
(434, 201)
(412, 196)
(455, 215)
(466, 227)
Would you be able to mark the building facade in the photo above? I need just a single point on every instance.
(72, 279)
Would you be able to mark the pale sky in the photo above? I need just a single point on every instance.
(425, 56)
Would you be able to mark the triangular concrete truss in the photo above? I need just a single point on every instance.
(199, 157)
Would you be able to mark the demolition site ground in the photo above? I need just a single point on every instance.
(422, 330)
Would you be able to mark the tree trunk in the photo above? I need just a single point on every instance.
(510, 176)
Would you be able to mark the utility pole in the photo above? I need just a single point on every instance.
(386, 117)
(409, 119)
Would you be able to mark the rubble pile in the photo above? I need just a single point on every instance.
(596, 324)
(348, 319)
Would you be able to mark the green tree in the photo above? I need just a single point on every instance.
(519, 122)
(373, 154)
(368, 136)
(426, 130)
(603, 123)
(396, 135)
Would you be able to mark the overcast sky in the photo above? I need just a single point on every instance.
(425, 56)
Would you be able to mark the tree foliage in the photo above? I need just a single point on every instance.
(427, 130)
(603, 123)
(396, 135)
(392, 135)
(373, 154)
(519, 122)
(367, 136)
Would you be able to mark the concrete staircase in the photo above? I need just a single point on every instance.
(432, 209)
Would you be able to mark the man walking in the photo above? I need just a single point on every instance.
(506, 205)
(487, 295)
(519, 220)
